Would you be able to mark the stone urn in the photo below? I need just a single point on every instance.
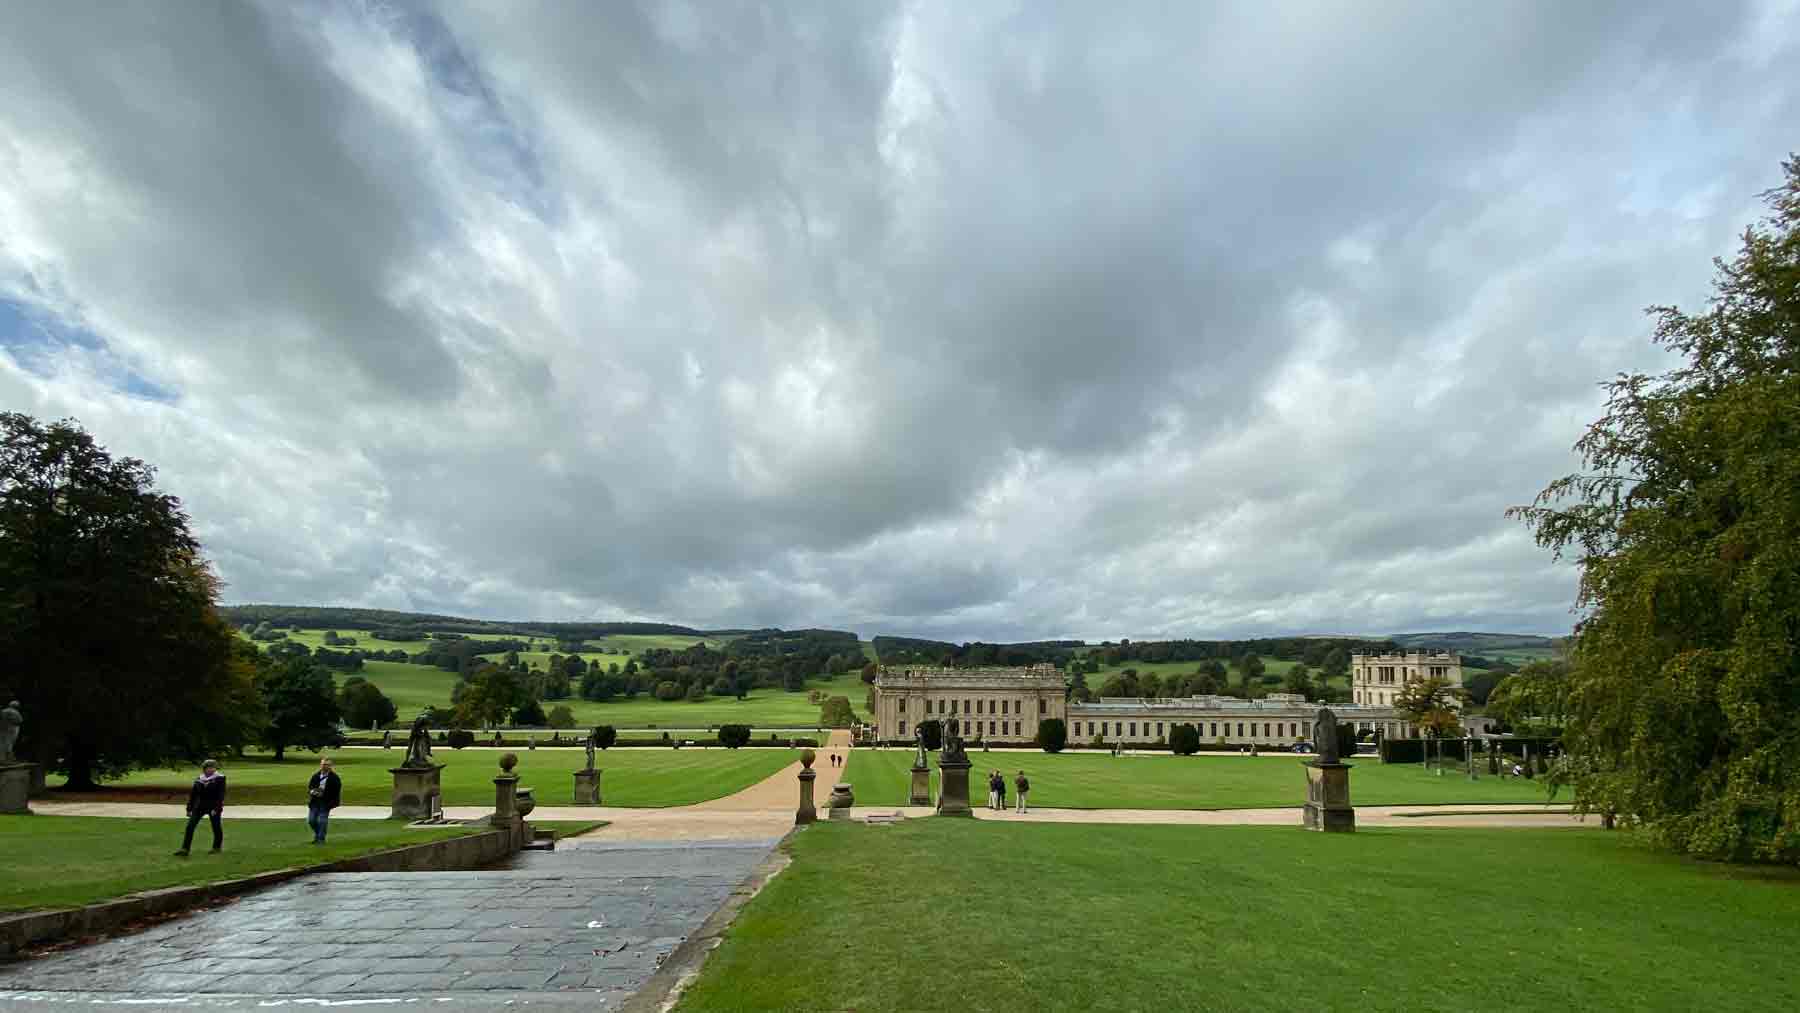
(838, 807)
(523, 803)
(508, 761)
(807, 757)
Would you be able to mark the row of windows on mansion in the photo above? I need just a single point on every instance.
(1375, 679)
(1286, 730)
(1008, 703)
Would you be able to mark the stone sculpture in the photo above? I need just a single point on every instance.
(10, 722)
(418, 745)
(1325, 741)
(590, 750)
(1327, 781)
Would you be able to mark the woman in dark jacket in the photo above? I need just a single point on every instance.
(206, 800)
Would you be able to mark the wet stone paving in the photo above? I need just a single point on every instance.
(580, 927)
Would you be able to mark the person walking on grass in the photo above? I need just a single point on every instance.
(1024, 788)
(206, 800)
(323, 791)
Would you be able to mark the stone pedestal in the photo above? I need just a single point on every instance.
(15, 787)
(587, 787)
(841, 801)
(506, 809)
(807, 812)
(1328, 798)
(417, 795)
(921, 786)
(953, 789)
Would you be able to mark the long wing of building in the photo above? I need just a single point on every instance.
(1005, 705)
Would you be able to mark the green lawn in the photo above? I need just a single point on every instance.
(1231, 781)
(650, 778)
(58, 861)
(985, 916)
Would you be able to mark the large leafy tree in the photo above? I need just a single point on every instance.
(1533, 699)
(1429, 703)
(490, 696)
(1684, 701)
(114, 646)
(302, 704)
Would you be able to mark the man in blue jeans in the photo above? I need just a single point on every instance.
(322, 794)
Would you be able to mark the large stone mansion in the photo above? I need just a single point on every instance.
(1006, 704)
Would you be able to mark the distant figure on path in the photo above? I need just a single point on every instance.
(1024, 787)
(206, 800)
(323, 791)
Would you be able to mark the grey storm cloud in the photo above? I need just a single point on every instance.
(967, 320)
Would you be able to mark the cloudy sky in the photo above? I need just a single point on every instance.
(968, 320)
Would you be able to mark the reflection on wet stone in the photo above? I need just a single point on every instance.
(583, 919)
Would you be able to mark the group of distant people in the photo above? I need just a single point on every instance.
(997, 791)
(206, 801)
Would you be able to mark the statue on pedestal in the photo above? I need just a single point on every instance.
(590, 751)
(418, 745)
(1325, 741)
(953, 749)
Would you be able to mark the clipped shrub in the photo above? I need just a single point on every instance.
(734, 736)
(606, 735)
(1184, 740)
(1052, 735)
(457, 738)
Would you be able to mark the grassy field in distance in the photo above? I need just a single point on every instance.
(415, 687)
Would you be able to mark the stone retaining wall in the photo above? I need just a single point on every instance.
(37, 928)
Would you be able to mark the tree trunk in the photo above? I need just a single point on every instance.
(81, 768)
(280, 750)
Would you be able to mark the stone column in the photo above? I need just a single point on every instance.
(1328, 797)
(416, 792)
(953, 791)
(15, 787)
(807, 812)
(506, 809)
(587, 787)
(921, 785)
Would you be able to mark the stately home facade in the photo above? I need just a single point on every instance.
(1376, 678)
(1006, 704)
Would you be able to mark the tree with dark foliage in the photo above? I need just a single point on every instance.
(108, 614)
(1685, 669)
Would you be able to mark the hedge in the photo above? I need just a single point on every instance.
(1413, 750)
